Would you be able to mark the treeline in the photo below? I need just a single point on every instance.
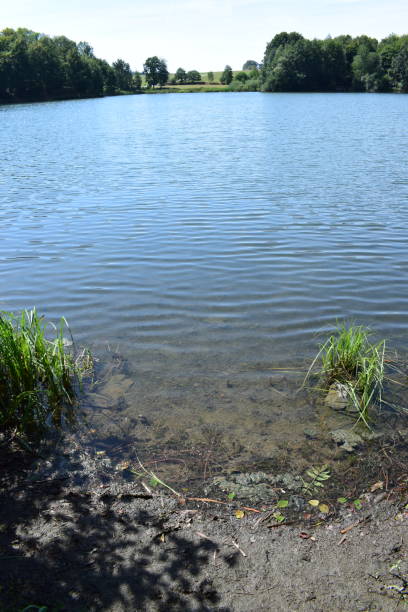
(37, 67)
(294, 63)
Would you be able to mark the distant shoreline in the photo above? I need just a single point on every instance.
(180, 90)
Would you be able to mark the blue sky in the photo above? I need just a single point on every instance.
(200, 34)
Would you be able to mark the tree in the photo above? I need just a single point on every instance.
(210, 76)
(85, 48)
(366, 69)
(123, 74)
(155, 71)
(137, 81)
(250, 65)
(181, 75)
(193, 76)
(241, 76)
(399, 68)
(227, 75)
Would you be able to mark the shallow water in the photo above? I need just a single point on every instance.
(207, 239)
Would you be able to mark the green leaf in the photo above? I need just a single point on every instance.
(282, 503)
(231, 495)
(342, 500)
(357, 503)
(278, 517)
(153, 482)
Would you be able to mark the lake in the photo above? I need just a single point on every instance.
(202, 245)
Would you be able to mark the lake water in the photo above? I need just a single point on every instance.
(198, 242)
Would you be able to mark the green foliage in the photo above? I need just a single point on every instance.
(250, 65)
(241, 76)
(38, 67)
(123, 75)
(210, 76)
(193, 76)
(137, 81)
(227, 75)
(316, 477)
(155, 71)
(180, 76)
(293, 63)
(249, 85)
(350, 358)
(39, 379)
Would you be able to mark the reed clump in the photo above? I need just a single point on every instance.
(39, 377)
(350, 358)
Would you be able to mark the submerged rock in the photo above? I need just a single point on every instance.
(310, 433)
(258, 486)
(337, 397)
(347, 439)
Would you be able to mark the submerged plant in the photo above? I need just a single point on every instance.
(39, 378)
(350, 358)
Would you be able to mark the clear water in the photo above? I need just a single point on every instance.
(207, 238)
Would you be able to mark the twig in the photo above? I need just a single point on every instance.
(206, 499)
(239, 548)
(202, 535)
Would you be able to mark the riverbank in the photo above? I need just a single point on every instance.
(201, 88)
(76, 536)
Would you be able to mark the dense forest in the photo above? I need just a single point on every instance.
(37, 67)
(294, 63)
(34, 66)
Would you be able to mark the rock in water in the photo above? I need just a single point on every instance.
(337, 397)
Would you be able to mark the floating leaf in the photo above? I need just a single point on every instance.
(231, 495)
(314, 502)
(357, 504)
(282, 503)
(278, 516)
(324, 508)
(342, 500)
(239, 514)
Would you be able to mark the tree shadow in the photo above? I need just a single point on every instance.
(96, 545)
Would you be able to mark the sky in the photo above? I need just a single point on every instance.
(200, 34)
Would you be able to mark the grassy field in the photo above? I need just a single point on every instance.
(208, 87)
(204, 85)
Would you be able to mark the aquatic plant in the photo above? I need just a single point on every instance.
(39, 377)
(350, 358)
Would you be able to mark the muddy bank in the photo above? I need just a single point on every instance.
(75, 536)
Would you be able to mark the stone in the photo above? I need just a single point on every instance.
(310, 433)
(347, 439)
(337, 397)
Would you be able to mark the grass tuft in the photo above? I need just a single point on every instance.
(39, 378)
(350, 358)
